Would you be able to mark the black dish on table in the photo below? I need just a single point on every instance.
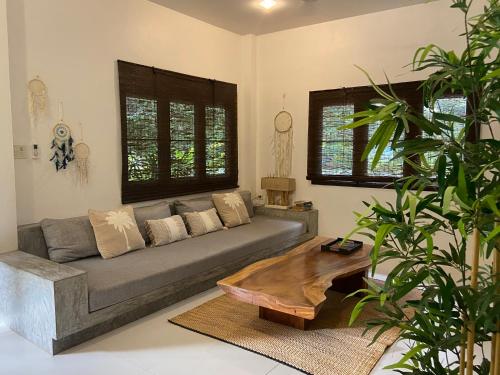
(336, 246)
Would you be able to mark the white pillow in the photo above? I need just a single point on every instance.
(165, 231)
(203, 222)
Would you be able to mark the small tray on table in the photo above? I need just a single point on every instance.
(336, 246)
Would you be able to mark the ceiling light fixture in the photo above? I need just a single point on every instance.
(267, 4)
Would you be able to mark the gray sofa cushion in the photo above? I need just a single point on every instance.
(133, 274)
(193, 205)
(247, 199)
(157, 211)
(69, 239)
(31, 240)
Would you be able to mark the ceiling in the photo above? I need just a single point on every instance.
(247, 17)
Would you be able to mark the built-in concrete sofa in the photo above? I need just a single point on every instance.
(57, 306)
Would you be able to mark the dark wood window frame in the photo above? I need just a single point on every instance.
(359, 97)
(139, 81)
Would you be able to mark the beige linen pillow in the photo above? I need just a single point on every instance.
(231, 208)
(116, 231)
(165, 231)
(203, 222)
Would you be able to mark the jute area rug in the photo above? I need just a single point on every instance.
(329, 346)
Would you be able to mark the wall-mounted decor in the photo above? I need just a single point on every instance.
(82, 152)
(62, 146)
(37, 94)
(283, 143)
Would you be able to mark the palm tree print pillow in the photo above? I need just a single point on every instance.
(231, 209)
(116, 231)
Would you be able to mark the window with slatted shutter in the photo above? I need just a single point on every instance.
(179, 133)
(334, 154)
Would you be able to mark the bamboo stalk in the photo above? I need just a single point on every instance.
(471, 332)
(495, 340)
(494, 344)
(462, 350)
(496, 354)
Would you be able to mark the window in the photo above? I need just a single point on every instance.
(178, 133)
(336, 145)
(142, 139)
(334, 155)
(451, 106)
(216, 141)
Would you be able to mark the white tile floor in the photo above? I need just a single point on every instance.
(150, 346)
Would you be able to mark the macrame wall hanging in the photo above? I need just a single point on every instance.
(37, 96)
(62, 144)
(82, 153)
(283, 142)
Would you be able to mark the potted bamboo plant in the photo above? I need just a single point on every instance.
(454, 193)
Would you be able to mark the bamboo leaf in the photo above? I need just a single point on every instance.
(495, 232)
(381, 92)
(412, 200)
(493, 74)
(410, 354)
(447, 197)
(379, 240)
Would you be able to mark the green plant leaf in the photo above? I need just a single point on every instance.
(382, 232)
(411, 353)
(413, 207)
(493, 74)
(495, 232)
(447, 197)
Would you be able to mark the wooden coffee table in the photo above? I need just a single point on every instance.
(290, 289)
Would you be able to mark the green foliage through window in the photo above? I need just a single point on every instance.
(142, 139)
(182, 135)
(215, 133)
(337, 144)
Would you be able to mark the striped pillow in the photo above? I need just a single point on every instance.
(165, 231)
(203, 222)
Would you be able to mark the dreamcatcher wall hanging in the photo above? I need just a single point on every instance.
(37, 96)
(62, 146)
(283, 143)
(82, 153)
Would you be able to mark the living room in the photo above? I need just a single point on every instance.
(70, 72)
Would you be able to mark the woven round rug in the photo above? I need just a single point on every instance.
(328, 346)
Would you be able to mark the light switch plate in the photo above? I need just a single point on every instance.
(20, 152)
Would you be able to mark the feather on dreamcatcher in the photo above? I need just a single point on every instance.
(62, 146)
(283, 144)
(37, 95)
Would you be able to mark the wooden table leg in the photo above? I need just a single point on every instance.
(350, 283)
(282, 318)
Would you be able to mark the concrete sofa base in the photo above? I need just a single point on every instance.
(47, 302)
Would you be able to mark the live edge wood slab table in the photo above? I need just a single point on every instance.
(290, 289)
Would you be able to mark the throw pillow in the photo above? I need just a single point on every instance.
(193, 205)
(247, 198)
(203, 222)
(116, 231)
(165, 231)
(231, 208)
(156, 211)
(69, 239)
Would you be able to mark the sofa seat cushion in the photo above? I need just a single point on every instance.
(112, 281)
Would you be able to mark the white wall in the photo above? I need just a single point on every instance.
(322, 57)
(8, 230)
(73, 45)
